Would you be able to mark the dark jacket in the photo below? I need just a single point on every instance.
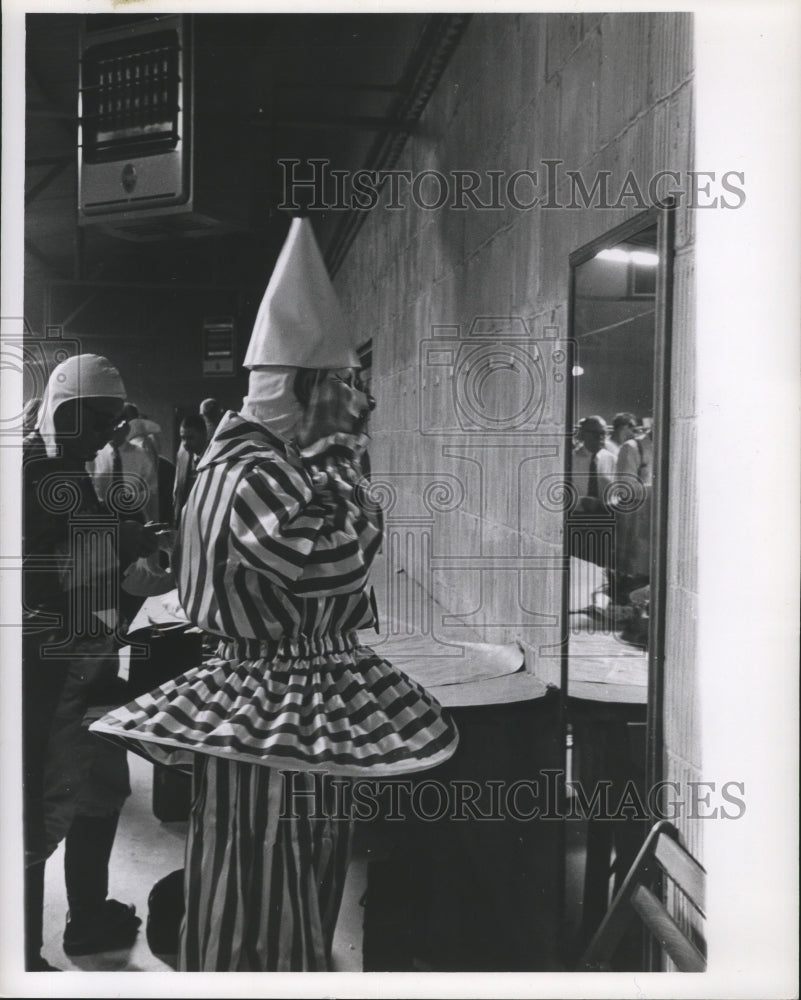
(70, 593)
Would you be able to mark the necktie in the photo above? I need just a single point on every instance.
(116, 468)
(593, 489)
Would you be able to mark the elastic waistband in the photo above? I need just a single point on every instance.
(299, 647)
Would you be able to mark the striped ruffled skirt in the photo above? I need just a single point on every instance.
(323, 703)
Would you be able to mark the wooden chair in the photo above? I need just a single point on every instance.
(661, 855)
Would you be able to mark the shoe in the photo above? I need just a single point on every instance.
(39, 964)
(115, 925)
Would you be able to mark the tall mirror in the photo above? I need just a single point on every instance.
(614, 543)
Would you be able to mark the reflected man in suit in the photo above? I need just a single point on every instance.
(593, 465)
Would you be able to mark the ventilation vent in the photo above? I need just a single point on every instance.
(155, 160)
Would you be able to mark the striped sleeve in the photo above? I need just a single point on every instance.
(304, 544)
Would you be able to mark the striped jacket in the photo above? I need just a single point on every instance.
(261, 555)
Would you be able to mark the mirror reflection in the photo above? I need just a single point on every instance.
(608, 530)
(612, 459)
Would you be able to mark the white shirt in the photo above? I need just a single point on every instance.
(137, 467)
(635, 458)
(605, 465)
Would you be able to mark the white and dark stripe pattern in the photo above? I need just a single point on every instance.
(257, 545)
(262, 890)
(279, 573)
(343, 709)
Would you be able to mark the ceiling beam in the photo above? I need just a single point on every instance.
(365, 123)
(424, 67)
(327, 86)
(47, 161)
(58, 168)
(43, 111)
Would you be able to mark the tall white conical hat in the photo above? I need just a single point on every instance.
(300, 322)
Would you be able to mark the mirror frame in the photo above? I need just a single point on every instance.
(663, 218)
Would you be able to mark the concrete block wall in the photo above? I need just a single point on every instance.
(596, 92)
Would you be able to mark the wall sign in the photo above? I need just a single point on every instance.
(218, 346)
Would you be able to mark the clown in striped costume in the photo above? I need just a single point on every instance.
(273, 558)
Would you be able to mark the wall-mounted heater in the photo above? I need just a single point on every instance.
(159, 154)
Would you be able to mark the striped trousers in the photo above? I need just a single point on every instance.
(262, 890)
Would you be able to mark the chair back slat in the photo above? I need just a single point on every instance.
(667, 932)
(683, 869)
(661, 851)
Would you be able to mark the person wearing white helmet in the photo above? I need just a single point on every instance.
(74, 787)
(274, 554)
